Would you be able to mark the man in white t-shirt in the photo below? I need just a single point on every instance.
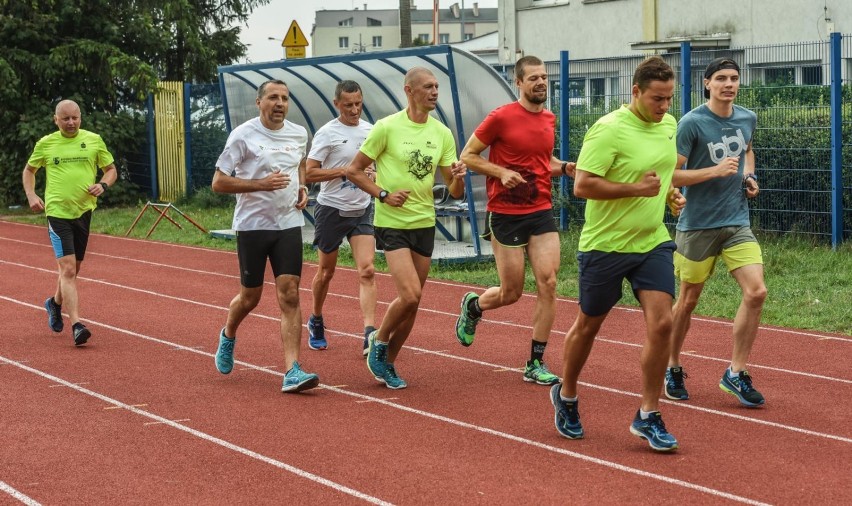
(342, 210)
(263, 163)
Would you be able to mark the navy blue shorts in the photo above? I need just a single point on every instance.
(283, 248)
(69, 237)
(602, 273)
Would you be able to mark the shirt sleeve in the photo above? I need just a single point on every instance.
(320, 146)
(488, 130)
(448, 157)
(599, 149)
(376, 141)
(232, 155)
(685, 136)
(37, 157)
(104, 156)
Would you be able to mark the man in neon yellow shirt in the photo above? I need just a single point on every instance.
(407, 148)
(624, 171)
(71, 158)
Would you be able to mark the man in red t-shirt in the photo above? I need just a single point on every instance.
(520, 217)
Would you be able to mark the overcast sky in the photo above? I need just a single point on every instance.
(273, 19)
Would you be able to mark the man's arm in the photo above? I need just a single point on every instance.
(315, 173)
(302, 194)
(683, 177)
(28, 179)
(472, 158)
(223, 183)
(752, 188)
(592, 186)
(454, 176)
(559, 168)
(109, 178)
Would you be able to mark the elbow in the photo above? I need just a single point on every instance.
(581, 191)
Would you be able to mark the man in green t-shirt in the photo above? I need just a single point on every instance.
(71, 158)
(407, 148)
(624, 171)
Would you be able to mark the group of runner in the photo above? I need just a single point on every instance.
(376, 192)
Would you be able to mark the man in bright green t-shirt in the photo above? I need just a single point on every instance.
(408, 148)
(624, 171)
(71, 158)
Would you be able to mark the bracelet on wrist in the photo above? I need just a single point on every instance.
(564, 166)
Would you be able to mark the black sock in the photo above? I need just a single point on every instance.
(537, 351)
(53, 300)
(473, 308)
(368, 330)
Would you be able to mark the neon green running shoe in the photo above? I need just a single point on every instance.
(537, 372)
(466, 324)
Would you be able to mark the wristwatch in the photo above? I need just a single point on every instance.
(104, 185)
(383, 195)
(752, 176)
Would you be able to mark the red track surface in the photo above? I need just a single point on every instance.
(140, 415)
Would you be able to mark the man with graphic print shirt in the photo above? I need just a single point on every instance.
(263, 163)
(408, 148)
(520, 168)
(714, 145)
(71, 158)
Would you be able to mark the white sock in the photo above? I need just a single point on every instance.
(567, 399)
(645, 414)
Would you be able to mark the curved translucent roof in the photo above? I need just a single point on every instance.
(468, 88)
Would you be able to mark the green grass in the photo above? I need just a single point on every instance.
(810, 285)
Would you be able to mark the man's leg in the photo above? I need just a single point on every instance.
(682, 318)
(66, 286)
(657, 308)
(287, 291)
(409, 271)
(578, 346)
(322, 279)
(363, 251)
(747, 320)
(241, 305)
(510, 270)
(543, 252)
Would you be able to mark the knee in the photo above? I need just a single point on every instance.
(547, 287)
(410, 300)
(510, 294)
(661, 329)
(324, 274)
(367, 273)
(248, 301)
(755, 297)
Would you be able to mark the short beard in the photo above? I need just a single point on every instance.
(536, 100)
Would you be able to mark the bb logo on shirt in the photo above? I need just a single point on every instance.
(730, 146)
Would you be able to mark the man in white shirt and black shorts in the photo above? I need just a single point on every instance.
(263, 163)
(343, 210)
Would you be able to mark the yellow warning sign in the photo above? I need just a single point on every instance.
(295, 52)
(294, 36)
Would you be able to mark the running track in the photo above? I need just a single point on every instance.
(140, 414)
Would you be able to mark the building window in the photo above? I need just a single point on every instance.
(373, 22)
(345, 22)
(423, 37)
(597, 90)
(444, 38)
(779, 76)
(468, 36)
(812, 75)
(377, 41)
(343, 42)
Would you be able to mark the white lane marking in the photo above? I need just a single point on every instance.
(29, 501)
(201, 435)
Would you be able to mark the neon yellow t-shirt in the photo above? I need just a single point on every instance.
(622, 148)
(71, 165)
(407, 155)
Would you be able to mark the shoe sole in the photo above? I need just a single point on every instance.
(301, 387)
(81, 338)
(379, 378)
(61, 325)
(672, 397)
(651, 444)
(556, 420)
(463, 309)
(399, 387)
(537, 382)
(317, 347)
(739, 397)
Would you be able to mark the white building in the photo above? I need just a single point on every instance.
(338, 32)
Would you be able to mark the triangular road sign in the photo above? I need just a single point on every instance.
(294, 36)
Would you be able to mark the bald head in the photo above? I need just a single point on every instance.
(67, 118)
(416, 74)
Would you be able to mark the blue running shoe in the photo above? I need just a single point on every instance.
(741, 387)
(654, 431)
(225, 353)
(316, 333)
(377, 355)
(675, 388)
(297, 380)
(54, 315)
(567, 418)
(391, 380)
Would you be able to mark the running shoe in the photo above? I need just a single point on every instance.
(653, 430)
(675, 387)
(54, 315)
(537, 372)
(297, 380)
(367, 332)
(741, 387)
(377, 355)
(391, 379)
(225, 353)
(81, 334)
(316, 333)
(466, 324)
(567, 417)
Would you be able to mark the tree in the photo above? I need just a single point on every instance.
(107, 56)
(405, 23)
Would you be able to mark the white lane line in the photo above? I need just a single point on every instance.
(275, 318)
(29, 501)
(387, 403)
(201, 435)
(431, 281)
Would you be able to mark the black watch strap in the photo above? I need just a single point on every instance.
(104, 185)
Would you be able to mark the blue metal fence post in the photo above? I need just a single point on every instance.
(152, 148)
(685, 77)
(187, 136)
(563, 134)
(836, 142)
